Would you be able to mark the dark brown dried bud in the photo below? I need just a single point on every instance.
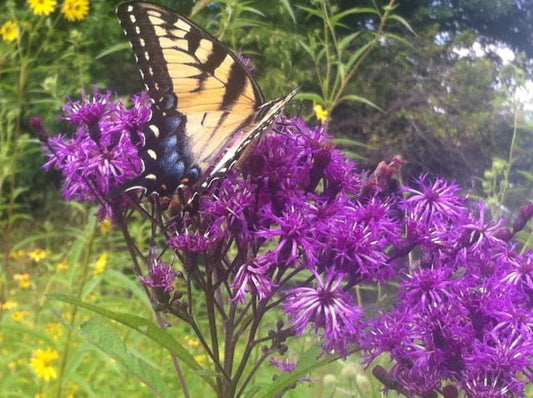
(525, 214)
(37, 125)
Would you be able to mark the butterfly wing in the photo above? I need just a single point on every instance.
(206, 105)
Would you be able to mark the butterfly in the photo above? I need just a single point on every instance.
(207, 110)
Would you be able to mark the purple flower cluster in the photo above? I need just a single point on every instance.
(160, 276)
(463, 314)
(298, 226)
(295, 213)
(103, 152)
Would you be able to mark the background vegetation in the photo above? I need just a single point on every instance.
(443, 84)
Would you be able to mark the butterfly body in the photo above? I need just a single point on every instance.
(207, 109)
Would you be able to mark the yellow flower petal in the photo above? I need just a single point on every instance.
(23, 280)
(9, 32)
(8, 305)
(38, 254)
(42, 7)
(18, 316)
(100, 265)
(41, 362)
(321, 113)
(106, 226)
(75, 10)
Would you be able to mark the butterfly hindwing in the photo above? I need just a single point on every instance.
(206, 105)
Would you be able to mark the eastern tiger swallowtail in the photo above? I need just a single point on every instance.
(206, 108)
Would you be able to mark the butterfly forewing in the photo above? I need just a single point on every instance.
(206, 105)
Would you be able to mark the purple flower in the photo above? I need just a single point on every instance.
(356, 243)
(246, 61)
(190, 243)
(232, 207)
(425, 289)
(160, 277)
(434, 202)
(520, 271)
(478, 234)
(284, 365)
(493, 369)
(102, 154)
(327, 306)
(255, 278)
(295, 231)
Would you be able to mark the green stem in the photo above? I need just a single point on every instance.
(211, 316)
(325, 87)
(363, 56)
(510, 160)
(134, 254)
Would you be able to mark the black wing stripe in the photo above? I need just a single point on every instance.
(142, 35)
(235, 90)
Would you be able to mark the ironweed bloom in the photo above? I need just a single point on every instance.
(462, 315)
(102, 153)
(297, 227)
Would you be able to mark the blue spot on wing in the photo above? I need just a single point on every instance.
(171, 162)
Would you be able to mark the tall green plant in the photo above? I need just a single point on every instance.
(336, 57)
(497, 181)
(38, 47)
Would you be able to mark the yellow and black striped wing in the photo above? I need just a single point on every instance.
(206, 105)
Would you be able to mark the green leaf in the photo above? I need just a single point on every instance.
(128, 283)
(312, 11)
(307, 48)
(143, 326)
(350, 142)
(403, 22)
(348, 39)
(103, 337)
(358, 54)
(358, 10)
(527, 174)
(363, 100)
(310, 96)
(113, 49)
(399, 39)
(307, 362)
(288, 7)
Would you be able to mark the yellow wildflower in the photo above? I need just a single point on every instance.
(76, 10)
(72, 390)
(38, 254)
(55, 329)
(92, 297)
(201, 358)
(105, 226)
(23, 280)
(321, 113)
(42, 7)
(62, 266)
(99, 267)
(9, 30)
(41, 363)
(12, 365)
(19, 253)
(8, 305)
(18, 316)
(192, 342)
